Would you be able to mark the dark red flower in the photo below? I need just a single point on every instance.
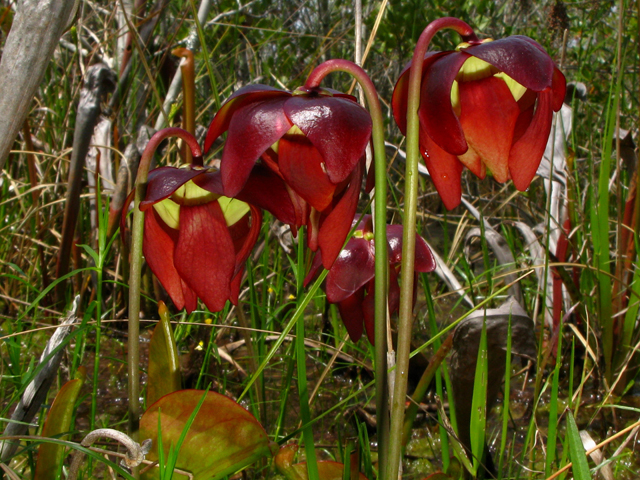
(313, 139)
(350, 281)
(195, 239)
(487, 104)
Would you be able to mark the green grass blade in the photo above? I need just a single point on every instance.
(576, 450)
(479, 402)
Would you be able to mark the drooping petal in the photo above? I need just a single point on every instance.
(488, 117)
(473, 162)
(204, 254)
(369, 312)
(245, 240)
(436, 111)
(164, 181)
(559, 88)
(267, 190)
(527, 152)
(524, 119)
(240, 98)
(394, 239)
(424, 260)
(401, 91)
(445, 170)
(353, 268)
(253, 128)
(301, 166)
(519, 57)
(211, 182)
(351, 313)
(234, 288)
(335, 227)
(339, 128)
(157, 248)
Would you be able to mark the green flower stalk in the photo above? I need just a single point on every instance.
(133, 353)
(405, 319)
(380, 238)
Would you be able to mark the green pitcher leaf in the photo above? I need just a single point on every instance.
(50, 455)
(164, 366)
(223, 438)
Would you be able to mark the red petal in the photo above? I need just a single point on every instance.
(353, 268)
(436, 112)
(351, 313)
(315, 269)
(368, 312)
(527, 152)
(204, 255)
(473, 162)
(212, 182)
(266, 190)
(445, 170)
(339, 128)
(401, 91)
(424, 260)
(522, 58)
(335, 228)
(488, 117)
(301, 167)
(163, 181)
(234, 288)
(559, 88)
(394, 239)
(244, 96)
(159, 244)
(245, 244)
(253, 129)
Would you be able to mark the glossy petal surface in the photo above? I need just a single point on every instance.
(158, 249)
(528, 150)
(445, 170)
(401, 91)
(488, 117)
(204, 255)
(424, 260)
(239, 99)
(339, 128)
(351, 313)
(353, 268)
(520, 58)
(252, 129)
(436, 112)
(164, 181)
(301, 165)
(335, 227)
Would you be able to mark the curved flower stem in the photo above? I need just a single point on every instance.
(380, 238)
(137, 230)
(405, 317)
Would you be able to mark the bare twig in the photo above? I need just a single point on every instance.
(134, 456)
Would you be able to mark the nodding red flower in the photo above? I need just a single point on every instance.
(195, 239)
(312, 139)
(488, 104)
(350, 281)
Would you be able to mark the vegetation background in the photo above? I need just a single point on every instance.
(278, 43)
